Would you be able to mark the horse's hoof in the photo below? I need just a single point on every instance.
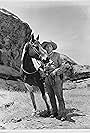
(35, 113)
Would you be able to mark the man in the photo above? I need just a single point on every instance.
(54, 79)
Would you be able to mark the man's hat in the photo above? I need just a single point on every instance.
(54, 45)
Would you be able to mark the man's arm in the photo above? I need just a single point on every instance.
(59, 60)
(58, 70)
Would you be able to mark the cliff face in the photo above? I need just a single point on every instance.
(13, 35)
(73, 71)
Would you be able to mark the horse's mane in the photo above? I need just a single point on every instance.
(25, 50)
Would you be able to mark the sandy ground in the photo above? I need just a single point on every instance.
(16, 109)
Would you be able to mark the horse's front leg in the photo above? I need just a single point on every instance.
(46, 102)
(30, 90)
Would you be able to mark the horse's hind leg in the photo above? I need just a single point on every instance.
(33, 100)
(41, 86)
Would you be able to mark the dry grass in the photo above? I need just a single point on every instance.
(16, 109)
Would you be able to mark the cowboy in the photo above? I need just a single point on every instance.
(54, 79)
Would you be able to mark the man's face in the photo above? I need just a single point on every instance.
(49, 48)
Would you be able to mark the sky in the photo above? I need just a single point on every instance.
(65, 22)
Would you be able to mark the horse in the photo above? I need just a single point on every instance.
(31, 52)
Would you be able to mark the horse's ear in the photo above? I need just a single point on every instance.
(33, 38)
(37, 38)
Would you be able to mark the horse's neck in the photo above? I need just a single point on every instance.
(28, 64)
(28, 58)
(31, 63)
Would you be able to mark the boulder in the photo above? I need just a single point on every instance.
(14, 33)
(73, 71)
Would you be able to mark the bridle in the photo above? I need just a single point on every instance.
(36, 51)
(32, 45)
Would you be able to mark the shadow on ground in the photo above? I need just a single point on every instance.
(67, 116)
(72, 112)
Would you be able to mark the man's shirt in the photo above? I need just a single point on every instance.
(56, 61)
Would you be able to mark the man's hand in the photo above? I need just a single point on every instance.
(54, 72)
(57, 71)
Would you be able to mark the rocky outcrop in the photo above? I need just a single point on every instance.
(74, 71)
(8, 73)
(14, 33)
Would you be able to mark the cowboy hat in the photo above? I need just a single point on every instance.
(54, 45)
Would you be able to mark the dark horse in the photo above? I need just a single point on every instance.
(30, 74)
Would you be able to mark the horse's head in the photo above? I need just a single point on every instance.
(35, 47)
(35, 50)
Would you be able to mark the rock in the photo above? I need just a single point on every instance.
(13, 35)
(73, 71)
(9, 73)
(8, 70)
(12, 85)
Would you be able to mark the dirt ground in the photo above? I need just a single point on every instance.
(16, 109)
